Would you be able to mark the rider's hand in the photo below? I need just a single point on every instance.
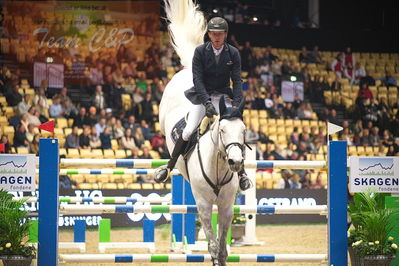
(210, 110)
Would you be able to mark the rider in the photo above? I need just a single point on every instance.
(214, 63)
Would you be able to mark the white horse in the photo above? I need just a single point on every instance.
(219, 153)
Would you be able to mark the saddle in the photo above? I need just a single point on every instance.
(177, 131)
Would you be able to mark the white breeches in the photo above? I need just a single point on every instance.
(197, 113)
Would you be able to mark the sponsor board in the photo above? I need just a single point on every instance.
(377, 173)
(280, 197)
(17, 172)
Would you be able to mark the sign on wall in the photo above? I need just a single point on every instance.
(17, 172)
(377, 173)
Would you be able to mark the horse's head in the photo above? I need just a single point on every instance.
(232, 134)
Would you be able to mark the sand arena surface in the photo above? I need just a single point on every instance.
(308, 239)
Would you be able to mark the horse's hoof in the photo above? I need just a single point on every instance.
(161, 175)
(215, 262)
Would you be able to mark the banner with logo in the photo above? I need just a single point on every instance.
(280, 197)
(17, 172)
(377, 173)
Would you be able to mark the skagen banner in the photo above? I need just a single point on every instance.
(376, 173)
(17, 172)
(280, 197)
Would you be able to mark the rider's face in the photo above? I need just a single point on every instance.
(217, 38)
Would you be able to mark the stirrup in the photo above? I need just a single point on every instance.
(162, 174)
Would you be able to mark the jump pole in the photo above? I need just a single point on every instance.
(48, 202)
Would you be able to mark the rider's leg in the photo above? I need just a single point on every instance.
(193, 120)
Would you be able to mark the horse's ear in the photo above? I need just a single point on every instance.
(241, 106)
(222, 106)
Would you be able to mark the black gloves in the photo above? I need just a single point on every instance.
(210, 110)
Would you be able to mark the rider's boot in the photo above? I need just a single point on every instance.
(162, 173)
(245, 183)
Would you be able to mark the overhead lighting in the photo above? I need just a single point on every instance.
(293, 78)
(49, 59)
(255, 18)
(215, 10)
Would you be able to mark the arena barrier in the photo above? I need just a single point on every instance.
(104, 200)
(48, 201)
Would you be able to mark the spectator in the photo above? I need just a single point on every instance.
(131, 123)
(84, 138)
(20, 139)
(375, 137)
(367, 79)
(364, 93)
(72, 140)
(81, 119)
(318, 184)
(252, 135)
(332, 118)
(127, 141)
(315, 56)
(56, 108)
(365, 138)
(41, 103)
(64, 95)
(358, 73)
(387, 138)
(70, 111)
(105, 138)
(146, 154)
(337, 66)
(118, 130)
(96, 75)
(145, 128)
(284, 182)
(98, 99)
(349, 73)
(95, 141)
(138, 95)
(336, 84)
(23, 106)
(92, 116)
(294, 181)
(33, 117)
(349, 57)
(14, 97)
(34, 145)
(101, 125)
(146, 111)
(157, 140)
(388, 79)
(304, 56)
(7, 145)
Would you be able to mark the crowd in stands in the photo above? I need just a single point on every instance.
(111, 74)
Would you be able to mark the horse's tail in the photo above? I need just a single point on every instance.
(187, 26)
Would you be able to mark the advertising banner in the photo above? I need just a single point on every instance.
(376, 173)
(17, 172)
(280, 197)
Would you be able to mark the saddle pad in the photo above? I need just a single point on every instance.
(177, 132)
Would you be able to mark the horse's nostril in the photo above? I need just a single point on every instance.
(230, 162)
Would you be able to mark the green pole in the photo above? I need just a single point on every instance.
(104, 230)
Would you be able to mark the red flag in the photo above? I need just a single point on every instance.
(2, 147)
(48, 126)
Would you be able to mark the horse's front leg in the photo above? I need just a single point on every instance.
(224, 221)
(205, 215)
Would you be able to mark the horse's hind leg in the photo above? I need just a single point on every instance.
(205, 214)
(224, 221)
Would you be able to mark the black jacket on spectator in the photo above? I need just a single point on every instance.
(84, 140)
(209, 76)
(13, 98)
(19, 139)
(79, 121)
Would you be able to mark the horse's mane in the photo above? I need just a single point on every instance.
(187, 27)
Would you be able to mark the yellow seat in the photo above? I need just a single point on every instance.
(114, 144)
(85, 153)
(109, 154)
(109, 186)
(134, 186)
(22, 150)
(120, 154)
(73, 153)
(97, 153)
(61, 122)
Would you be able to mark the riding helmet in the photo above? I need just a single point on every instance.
(218, 24)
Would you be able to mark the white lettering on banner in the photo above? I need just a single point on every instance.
(114, 38)
(70, 220)
(288, 202)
